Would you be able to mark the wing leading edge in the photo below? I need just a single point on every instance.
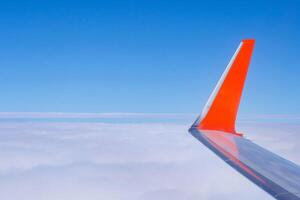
(215, 128)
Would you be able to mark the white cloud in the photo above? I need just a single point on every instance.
(43, 161)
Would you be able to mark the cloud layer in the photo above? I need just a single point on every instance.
(43, 161)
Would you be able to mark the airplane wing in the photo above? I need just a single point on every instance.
(215, 128)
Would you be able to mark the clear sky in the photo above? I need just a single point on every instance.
(144, 56)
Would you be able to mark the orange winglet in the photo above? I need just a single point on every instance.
(221, 109)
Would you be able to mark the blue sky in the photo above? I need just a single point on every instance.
(144, 56)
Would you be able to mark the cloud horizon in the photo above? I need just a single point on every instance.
(140, 161)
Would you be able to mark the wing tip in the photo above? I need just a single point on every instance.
(249, 40)
(221, 109)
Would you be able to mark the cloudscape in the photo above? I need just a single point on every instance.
(125, 160)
